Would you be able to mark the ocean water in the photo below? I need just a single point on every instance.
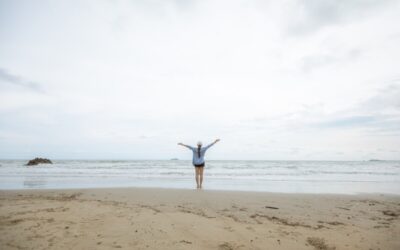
(271, 176)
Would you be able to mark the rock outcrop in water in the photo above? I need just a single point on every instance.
(37, 161)
(375, 160)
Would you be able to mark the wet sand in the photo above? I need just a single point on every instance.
(135, 218)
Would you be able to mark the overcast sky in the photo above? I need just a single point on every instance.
(275, 80)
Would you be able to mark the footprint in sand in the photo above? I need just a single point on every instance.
(250, 228)
(319, 243)
(229, 229)
(225, 246)
(390, 213)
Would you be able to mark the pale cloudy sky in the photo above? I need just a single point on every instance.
(275, 80)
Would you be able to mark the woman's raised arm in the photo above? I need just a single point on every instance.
(181, 144)
(217, 140)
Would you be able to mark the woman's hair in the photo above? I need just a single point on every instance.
(198, 150)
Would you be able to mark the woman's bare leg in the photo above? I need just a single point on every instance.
(197, 175)
(201, 176)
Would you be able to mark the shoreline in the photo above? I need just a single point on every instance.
(194, 189)
(138, 188)
(158, 218)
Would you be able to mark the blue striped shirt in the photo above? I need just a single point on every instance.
(196, 159)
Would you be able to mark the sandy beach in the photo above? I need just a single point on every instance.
(135, 218)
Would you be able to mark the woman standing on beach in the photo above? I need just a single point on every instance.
(198, 160)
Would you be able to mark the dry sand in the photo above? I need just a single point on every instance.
(135, 218)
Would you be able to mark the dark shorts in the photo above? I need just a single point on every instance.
(199, 165)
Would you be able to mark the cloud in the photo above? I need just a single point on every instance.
(310, 16)
(8, 78)
(313, 62)
(368, 125)
(342, 122)
(377, 115)
(386, 100)
(131, 78)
